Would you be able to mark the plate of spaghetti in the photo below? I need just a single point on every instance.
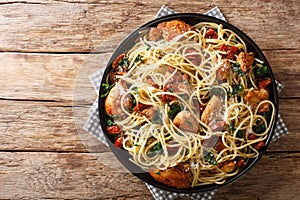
(188, 103)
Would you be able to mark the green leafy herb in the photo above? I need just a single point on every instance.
(237, 89)
(240, 134)
(106, 88)
(210, 159)
(148, 46)
(158, 172)
(268, 115)
(136, 145)
(231, 127)
(260, 72)
(109, 120)
(260, 128)
(138, 58)
(156, 147)
(174, 110)
(134, 103)
(124, 62)
(236, 68)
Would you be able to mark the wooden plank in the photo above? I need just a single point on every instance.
(66, 176)
(50, 77)
(64, 77)
(44, 126)
(52, 126)
(284, 65)
(39, 175)
(26, 25)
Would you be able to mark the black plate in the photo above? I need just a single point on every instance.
(128, 43)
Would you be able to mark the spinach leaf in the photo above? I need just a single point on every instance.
(124, 62)
(138, 58)
(260, 72)
(156, 147)
(109, 120)
(174, 110)
(106, 88)
(237, 89)
(210, 159)
(240, 134)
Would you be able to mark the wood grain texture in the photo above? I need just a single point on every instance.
(80, 26)
(53, 77)
(51, 126)
(67, 176)
(87, 176)
(45, 54)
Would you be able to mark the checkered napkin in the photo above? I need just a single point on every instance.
(93, 123)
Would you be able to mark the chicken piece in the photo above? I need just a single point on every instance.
(229, 167)
(145, 110)
(245, 59)
(154, 34)
(214, 111)
(184, 120)
(223, 71)
(173, 28)
(119, 68)
(215, 142)
(173, 177)
(193, 56)
(113, 100)
(254, 97)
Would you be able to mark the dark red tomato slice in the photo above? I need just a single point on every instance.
(233, 52)
(264, 83)
(119, 142)
(113, 129)
(211, 34)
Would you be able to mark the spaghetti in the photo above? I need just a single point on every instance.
(191, 107)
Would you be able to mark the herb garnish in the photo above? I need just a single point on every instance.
(138, 58)
(237, 89)
(260, 72)
(260, 127)
(210, 159)
(156, 147)
(124, 62)
(109, 120)
(240, 134)
(106, 88)
(174, 110)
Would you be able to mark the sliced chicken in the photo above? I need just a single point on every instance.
(174, 177)
(173, 28)
(214, 111)
(245, 59)
(184, 120)
(113, 100)
(254, 97)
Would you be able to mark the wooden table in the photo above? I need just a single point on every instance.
(45, 53)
